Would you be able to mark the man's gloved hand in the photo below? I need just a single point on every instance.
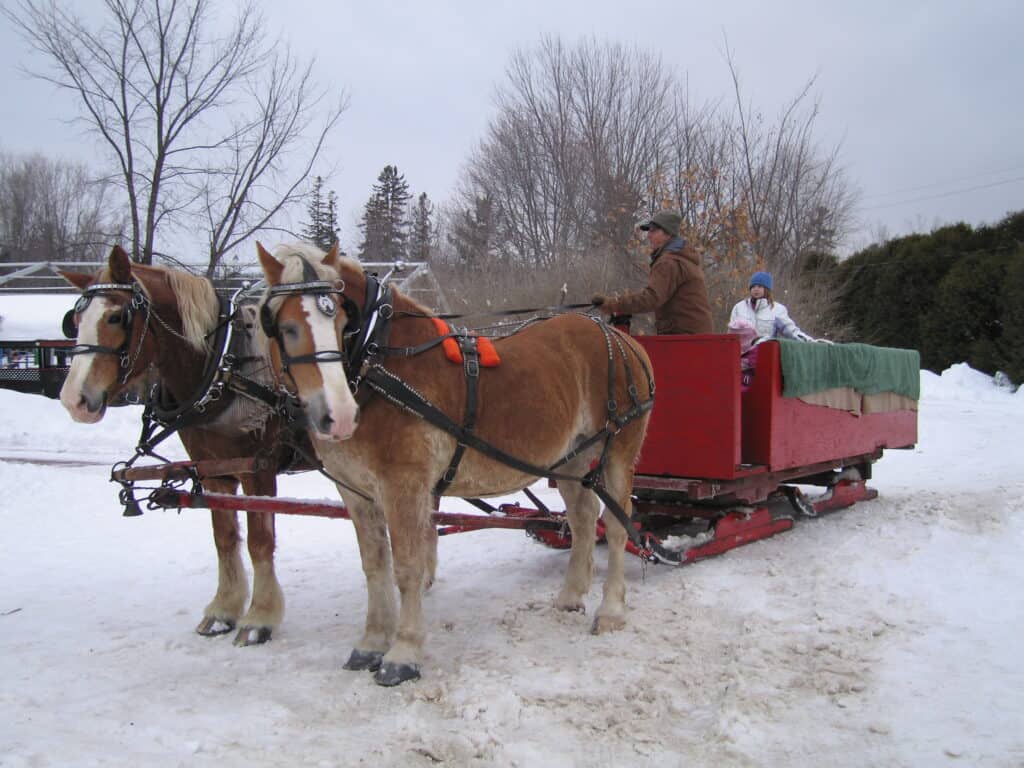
(801, 336)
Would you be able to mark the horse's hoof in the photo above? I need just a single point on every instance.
(571, 606)
(252, 636)
(211, 626)
(360, 660)
(393, 674)
(604, 624)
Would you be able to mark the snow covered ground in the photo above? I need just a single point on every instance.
(886, 634)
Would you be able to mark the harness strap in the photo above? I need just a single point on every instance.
(418, 349)
(210, 385)
(401, 394)
(471, 365)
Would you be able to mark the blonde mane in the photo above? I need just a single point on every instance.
(196, 299)
(290, 256)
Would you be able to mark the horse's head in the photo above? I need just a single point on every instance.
(306, 312)
(108, 321)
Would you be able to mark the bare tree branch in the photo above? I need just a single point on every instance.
(167, 89)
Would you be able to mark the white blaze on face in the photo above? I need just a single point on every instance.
(73, 394)
(341, 406)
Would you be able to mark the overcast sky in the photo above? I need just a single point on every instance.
(925, 99)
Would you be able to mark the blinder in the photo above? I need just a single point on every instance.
(70, 327)
(325, 293)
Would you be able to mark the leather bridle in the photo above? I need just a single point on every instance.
(138, 302)
(360, 335)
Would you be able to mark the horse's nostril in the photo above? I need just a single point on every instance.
(325, 424)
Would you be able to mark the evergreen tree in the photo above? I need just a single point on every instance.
(955, 294)
(322, 228)
(421, 229)
(385, 224)
(1013, 316)
(472, 231)
(332, 218)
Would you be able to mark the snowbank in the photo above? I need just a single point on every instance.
(961, 382)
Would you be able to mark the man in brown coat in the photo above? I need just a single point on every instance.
(675, 291)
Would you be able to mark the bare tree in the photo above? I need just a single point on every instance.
(795, 195)
(198, 121)
(565, 159)
(52, 210)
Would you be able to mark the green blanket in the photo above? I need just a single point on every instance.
(810, 367)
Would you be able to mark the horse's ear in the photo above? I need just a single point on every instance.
(80, 280)
(331, 259)
(120, 264)
(272, 268)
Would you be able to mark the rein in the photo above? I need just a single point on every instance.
(556, 309)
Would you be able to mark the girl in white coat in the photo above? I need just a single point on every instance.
(770, 318)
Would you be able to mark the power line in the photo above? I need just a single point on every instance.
(935, 184)
(944, 194)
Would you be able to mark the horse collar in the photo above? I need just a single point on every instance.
(372, 333)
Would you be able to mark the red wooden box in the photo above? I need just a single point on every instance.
(703, 427)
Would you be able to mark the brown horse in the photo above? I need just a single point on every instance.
(149, 323)
(558, 385)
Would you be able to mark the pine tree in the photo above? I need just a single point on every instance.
(385, 223)
(332, 218)
(421, 230)
(472, 230)
(322, 228)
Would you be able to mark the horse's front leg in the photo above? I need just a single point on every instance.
(222, 613)
(413, 549)
(381, 610)
(267, 607)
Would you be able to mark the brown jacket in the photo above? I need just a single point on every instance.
(675, 292)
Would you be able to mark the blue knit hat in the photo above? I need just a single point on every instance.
(763, 279)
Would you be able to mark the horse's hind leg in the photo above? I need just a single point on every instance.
(581, 509)
(222, 614)
(618, 480)
(267, 607)
(381, 610)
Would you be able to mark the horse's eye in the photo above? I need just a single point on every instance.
(290, 332)
(114, 318)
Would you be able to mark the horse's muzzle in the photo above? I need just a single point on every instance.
(332, 424)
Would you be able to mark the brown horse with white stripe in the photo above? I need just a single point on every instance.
(138, 323)
(569, 392)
